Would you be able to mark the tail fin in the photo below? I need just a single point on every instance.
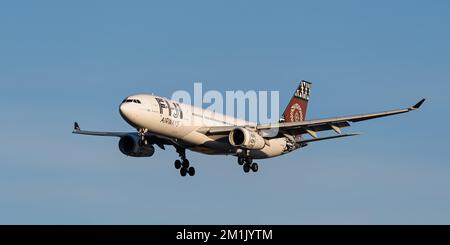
(296, 109)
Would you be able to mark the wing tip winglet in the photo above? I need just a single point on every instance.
(76, 127)
(418, 104)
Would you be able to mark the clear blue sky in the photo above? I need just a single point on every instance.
(62, 61)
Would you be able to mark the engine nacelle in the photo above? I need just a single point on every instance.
(247, 139)
(129, 145)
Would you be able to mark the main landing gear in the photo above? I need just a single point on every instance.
(248, 164)
(183, 164)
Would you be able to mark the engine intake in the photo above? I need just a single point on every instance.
(129, 145)
(247, 139)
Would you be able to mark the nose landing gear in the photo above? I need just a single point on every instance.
(142, 140)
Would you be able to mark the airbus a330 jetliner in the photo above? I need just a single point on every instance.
(160, 121)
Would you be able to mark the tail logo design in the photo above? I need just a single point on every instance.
(296, 113)
(303, 91)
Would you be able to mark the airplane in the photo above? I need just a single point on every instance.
(160, 121)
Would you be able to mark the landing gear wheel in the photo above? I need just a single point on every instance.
(177, 164)
(248, 160)
(183, 171)
(254, 167)
(185, 163)
(246, 167)
(241, 160)
(191, 171)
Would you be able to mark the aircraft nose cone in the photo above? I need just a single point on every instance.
(129, 113)
(124, 110)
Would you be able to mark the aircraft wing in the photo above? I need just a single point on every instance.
(77, 130)
(159, 141)
(313, 126)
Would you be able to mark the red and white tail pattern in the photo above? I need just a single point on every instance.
(296, 109)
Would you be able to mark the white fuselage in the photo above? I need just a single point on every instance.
(180, 123)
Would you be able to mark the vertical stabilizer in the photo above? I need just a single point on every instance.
(296, 109)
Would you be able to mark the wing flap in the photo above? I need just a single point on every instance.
(327, 138)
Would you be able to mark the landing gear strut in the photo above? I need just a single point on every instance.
(248, 164)
(142, 139)
(183, 164)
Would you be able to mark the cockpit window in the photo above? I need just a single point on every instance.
(131, 100)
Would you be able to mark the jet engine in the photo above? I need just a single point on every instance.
(129, 145)
(247, 139)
